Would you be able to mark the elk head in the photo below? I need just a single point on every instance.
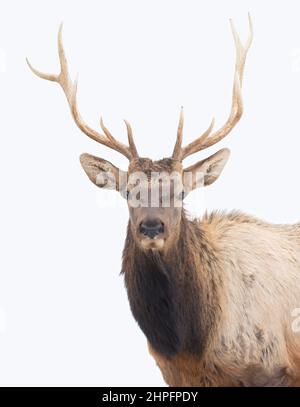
(154, 189)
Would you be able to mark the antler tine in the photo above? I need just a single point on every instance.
(177, 149)
(207, 139)
(70, 90)
(241, 50)
(194, 146)
(108, 134)
(130, 139)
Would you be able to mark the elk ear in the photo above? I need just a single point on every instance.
(103, 173)
(205, 172)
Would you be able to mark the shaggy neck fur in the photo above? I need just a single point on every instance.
(174, 305)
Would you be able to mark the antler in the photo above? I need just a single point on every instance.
(70, 89)
(207, 139)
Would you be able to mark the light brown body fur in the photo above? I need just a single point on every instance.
(253, 342)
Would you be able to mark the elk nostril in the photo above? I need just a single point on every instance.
(143, 228)
(161, 228)
(151, 228)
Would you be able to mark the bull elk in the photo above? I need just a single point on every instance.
(213, 296)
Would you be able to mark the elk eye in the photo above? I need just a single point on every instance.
(127, 194)
(182, 195)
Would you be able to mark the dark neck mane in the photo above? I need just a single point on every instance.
(165, 293)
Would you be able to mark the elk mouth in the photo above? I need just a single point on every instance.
(155, 243)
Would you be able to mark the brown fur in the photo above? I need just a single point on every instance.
(248, 271)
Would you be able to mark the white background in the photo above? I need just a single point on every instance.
(64, 314)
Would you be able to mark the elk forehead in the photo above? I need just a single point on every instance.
(161, 178)
(148, 166)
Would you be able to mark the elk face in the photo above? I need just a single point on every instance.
(155, 193)
(154, 222)
(154, 196)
